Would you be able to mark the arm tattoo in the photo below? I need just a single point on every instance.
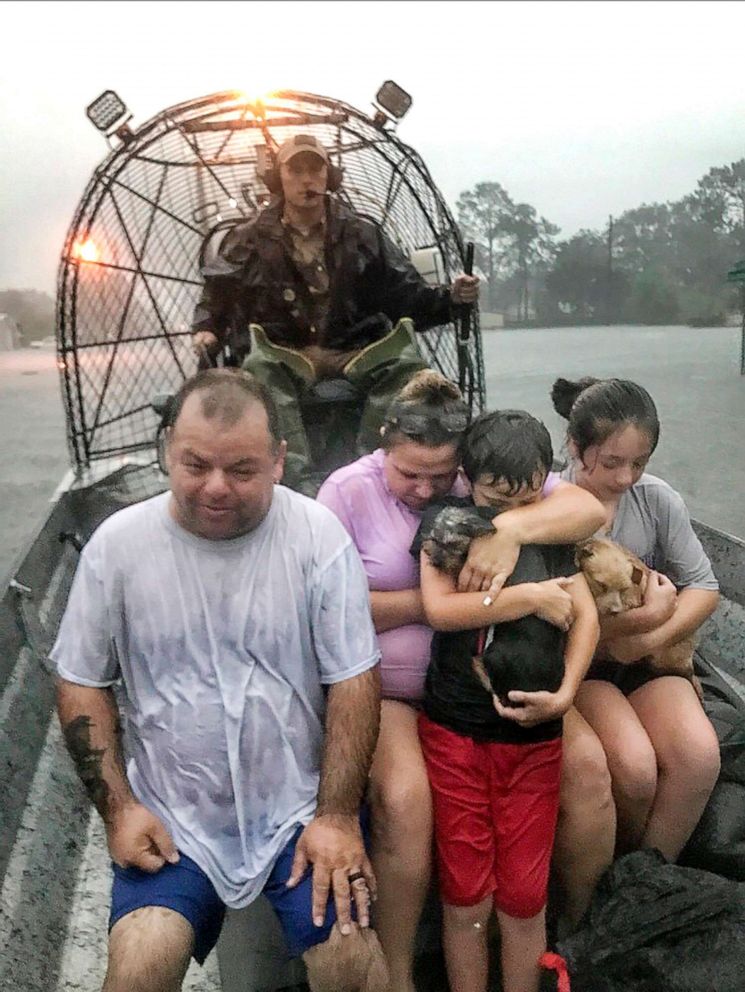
(88, 762)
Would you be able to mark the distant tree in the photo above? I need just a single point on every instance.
(577, 282)
(719, 201)
(652, 299)
(32, 310)
(529, 242)
(700, 259)
(659, 263)
(643, 237)
(481, 214)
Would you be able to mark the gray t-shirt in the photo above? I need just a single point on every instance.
(653, 522)
(222, 648)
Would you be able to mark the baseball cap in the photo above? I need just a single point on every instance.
(301, 143)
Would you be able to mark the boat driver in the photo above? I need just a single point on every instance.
(329, 293)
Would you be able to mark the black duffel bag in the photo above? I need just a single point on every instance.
(657, 927)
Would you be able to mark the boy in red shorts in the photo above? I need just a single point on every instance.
(494, 758)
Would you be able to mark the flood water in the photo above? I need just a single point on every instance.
(692, 374)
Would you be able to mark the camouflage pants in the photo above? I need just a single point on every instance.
(379, 372)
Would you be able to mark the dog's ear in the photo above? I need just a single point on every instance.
(636, 575)
(584, 551)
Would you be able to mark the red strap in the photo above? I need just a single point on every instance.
(481, 641)
(555, 962)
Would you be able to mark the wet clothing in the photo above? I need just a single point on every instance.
(382, 529)
(653, 522)
(307, 250)
(182, 887)
(327, 300)
(378, 374)
(495, 811)
(186, 889)
(453, 696)
(223, 649)
(495, 784)
(256, 279)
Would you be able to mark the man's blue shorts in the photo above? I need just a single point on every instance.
(185, 888)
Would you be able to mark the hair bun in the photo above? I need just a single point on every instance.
(564, 393)
(429, 387)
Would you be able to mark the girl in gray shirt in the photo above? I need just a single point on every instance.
(662, 752)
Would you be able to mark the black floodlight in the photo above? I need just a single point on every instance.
(109, 114)
(393, 100)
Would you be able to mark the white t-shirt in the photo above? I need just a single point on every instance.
(222, 648)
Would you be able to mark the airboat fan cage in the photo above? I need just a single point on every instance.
(129, 276)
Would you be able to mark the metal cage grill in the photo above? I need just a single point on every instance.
(129, 275)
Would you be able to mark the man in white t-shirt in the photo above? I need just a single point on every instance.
(234, 613)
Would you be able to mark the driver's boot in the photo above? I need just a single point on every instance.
(286, 374)
(380, 371)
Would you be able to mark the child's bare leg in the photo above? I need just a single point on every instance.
(464, 930)
(523, 942)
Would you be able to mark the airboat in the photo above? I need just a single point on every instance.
(150, 217)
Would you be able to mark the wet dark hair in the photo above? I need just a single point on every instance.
(597, 408)
(428, 410)
(510, 445)
(226, 394)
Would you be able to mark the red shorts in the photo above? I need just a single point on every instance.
(495, 808)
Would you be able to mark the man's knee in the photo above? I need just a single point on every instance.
(149, 951)
(354, 963)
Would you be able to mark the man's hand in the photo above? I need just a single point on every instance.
(555, 603)
(491, 561)
(660, 598)
(531, 708)
(332, 844)
(138, 839)
(465, 289)
(205, 341)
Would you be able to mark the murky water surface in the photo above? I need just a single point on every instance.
(692, 374)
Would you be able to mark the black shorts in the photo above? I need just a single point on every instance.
(627, 678)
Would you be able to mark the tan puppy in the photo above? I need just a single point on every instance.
(618, 581)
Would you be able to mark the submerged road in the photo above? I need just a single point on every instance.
(692, 374)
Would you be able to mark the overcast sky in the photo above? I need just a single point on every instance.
(581, 109)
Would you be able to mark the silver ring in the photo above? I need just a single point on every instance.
(356, 876)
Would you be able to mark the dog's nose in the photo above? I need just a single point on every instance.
(613, 605)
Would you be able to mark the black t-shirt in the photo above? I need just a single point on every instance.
(521, 654)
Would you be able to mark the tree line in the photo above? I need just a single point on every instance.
(32, 310)
(659, 263)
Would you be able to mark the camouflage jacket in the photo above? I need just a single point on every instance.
(372, 284)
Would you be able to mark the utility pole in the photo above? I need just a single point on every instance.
(737, 275)
(609, 276)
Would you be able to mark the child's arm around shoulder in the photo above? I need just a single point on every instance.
(447, 609)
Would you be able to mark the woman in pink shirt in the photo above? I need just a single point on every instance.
(380, 499)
